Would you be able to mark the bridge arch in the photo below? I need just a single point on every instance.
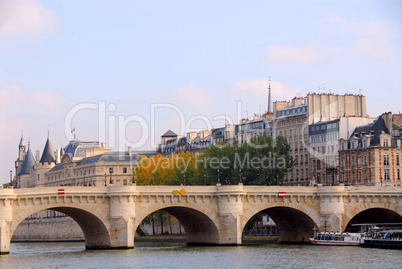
(199, 222)
(94, 224)
(366, 213)
(295, 221)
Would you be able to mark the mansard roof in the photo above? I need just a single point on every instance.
(169, 134)
(57, 167)
(78, 148)
(115, 156)
(374, 130)
(48, 153)
(28, 164)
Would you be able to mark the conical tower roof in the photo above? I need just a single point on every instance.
(28, 164)
(48, 153)
(62, 151)
(169, 134)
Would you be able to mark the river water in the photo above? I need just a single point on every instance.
(178, 255)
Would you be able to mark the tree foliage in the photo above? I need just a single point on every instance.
(262, 161)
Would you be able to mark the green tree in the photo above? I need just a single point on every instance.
(262, 161)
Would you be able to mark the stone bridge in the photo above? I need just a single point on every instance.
(211, 215)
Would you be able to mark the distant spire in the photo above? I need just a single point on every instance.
(62, 150)
(269, 95)
(22, 139)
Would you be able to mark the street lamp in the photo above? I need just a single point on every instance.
(184, 179)
(240, 181)
(133, 181)
(105, 180)
(11, 178)
(219, 181)
(205, 180)
(381, 181)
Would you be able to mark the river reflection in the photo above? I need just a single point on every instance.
(177, 255)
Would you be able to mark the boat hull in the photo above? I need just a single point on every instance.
(333, 243)
(381, 243)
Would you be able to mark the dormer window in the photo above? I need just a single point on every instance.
(385, 142)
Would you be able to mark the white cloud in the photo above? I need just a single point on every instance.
(293, 54)
(362, 41)
(25, 17)
(368, 28)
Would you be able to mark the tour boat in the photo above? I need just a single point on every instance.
(383, 239)
(336, 239)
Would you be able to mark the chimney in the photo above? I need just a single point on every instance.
(103, 145)
(388, 121)
(37, 157)
(58, 156)
(129, 151)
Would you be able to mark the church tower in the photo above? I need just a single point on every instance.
(269, 96)
(21, 155)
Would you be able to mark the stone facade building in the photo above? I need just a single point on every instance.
(372, 154)
(290, 122)
(78, 164)
(324, 146)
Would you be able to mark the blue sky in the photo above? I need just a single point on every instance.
(200, 56)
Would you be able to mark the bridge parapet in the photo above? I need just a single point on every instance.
(223, 210)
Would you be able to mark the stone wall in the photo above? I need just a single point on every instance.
(48, 229)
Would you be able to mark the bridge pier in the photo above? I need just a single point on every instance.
(122, 216)
(230, 208)
(6, 217)
(5, 237)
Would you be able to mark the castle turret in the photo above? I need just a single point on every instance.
(47, 162)
(25, 170)
(21, 155)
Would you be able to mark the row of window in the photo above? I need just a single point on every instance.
(83, 172)
(324, 127)
(365, 161)
(329, 149)
(292, 111)
(323, 138)
(297, 174)
(297, 158)
(290, 122)
(364, 143)
(387, 176)
(321, 164)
